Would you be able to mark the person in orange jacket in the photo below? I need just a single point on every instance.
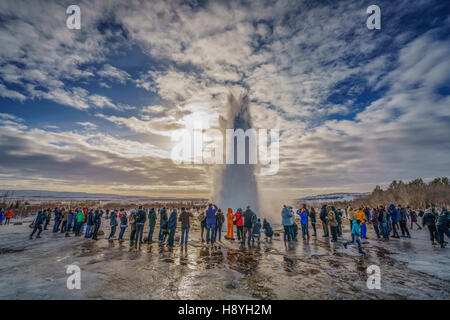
(8, 215)
(230, 225)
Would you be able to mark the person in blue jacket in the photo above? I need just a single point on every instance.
(211, 223)
(2, 216)
(286, 216)
(172, 225)
(356, 234)
(304, 221)
(394, 219)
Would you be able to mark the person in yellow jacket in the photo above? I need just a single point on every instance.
(230, 225)
(360, 215)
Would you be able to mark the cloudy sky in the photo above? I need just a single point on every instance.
(94, 109)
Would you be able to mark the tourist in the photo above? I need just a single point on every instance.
(211, 223)
(64, 220)
(338, 214)
(37, 224)
(132, 223)
(239, 222)
(172, 225)
(429, 219)
(220, 219)
(304, 222)
(8, 215)
(332, 222)
(113, 224)
(256, 230)
(47, 218)
(185, 226)
(394, 219)
(375, 222)
(141, 217)
(230, 225)
(442, 226)
(2, 216)
(89, 223)
(123, 223)
(403, 220)
(152, 224)
(97, 223)
(202, 219)
(312, 219)
(324, 219)
(249, 220)
(413, 218)
(361, 216)
(286, 216)
(356, 233)
(383, 218)
(267, 229)
(79, 222)
(70, 219)
(351, 215)
(163, 225)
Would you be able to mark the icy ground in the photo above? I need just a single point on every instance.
(318, 269)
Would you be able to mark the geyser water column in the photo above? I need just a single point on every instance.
(236, 187)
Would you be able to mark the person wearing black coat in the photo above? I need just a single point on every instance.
(38, 224)
(97, 223)
(442, 225)
(429, 220)
(57, 214)
(324, 218)
(89, 223)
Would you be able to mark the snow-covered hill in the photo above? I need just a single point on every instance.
(334, 197)
(41, 195)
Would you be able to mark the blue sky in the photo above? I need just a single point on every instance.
(93, 109)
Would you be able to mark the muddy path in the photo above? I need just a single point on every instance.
(306, 269)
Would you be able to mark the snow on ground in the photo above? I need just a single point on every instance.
(314, 269)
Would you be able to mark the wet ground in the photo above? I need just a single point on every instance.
(314, 269)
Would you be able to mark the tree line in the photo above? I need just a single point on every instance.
(415, 193)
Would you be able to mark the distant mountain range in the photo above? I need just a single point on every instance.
(334, 197)
(40, 195)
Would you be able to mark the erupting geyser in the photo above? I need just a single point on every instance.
(237, 186)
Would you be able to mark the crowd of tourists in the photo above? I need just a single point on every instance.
(244, 226)
(387, 222)
(87, 222)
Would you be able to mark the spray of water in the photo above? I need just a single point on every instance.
(236, 187)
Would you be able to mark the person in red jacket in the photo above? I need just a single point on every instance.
(8, 215)
(239, 221)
